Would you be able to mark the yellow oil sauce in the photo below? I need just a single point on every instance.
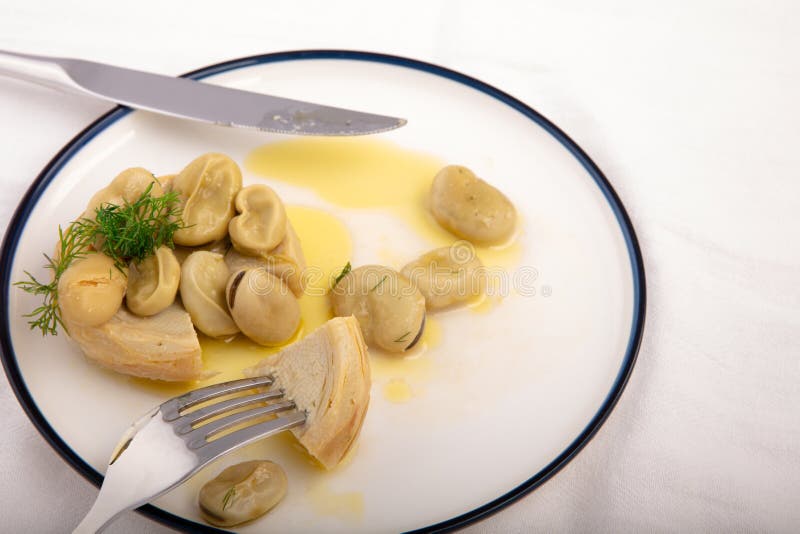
(345, 505)
(370, 173)
(397, 390)
(403, 376)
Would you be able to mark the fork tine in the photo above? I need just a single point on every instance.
(207, 412)
(199, 436)
(172, 408)
(245, 436)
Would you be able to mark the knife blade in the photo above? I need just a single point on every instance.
(191, 99)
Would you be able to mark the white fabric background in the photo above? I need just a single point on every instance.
(690, 108)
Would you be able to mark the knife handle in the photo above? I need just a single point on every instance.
(43, 70)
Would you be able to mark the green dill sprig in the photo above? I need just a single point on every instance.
(72, 245)
(134, 230)
(347, 268)
(130, 232)
(227, 499)
(403, 337)
(379, 284)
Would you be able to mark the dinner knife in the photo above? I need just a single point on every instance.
(191, 99)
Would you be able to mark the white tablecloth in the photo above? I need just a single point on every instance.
(690, 108)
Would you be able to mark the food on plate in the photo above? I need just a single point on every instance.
(91, 289)
(206, 189)
(447, 276)
(262, 306)
(326, 374)
(470, 208)
(390, 310)
(204, 277)
(162, 346)
(260, 225)
(153, 282)
(142, 241)
(242, 492)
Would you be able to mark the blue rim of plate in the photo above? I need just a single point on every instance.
(29, 200)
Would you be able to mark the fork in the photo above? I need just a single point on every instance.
(171, 442)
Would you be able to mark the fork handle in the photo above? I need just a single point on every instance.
(42, 70)
(98, 518)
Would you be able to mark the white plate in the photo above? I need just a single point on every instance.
(514, 393)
